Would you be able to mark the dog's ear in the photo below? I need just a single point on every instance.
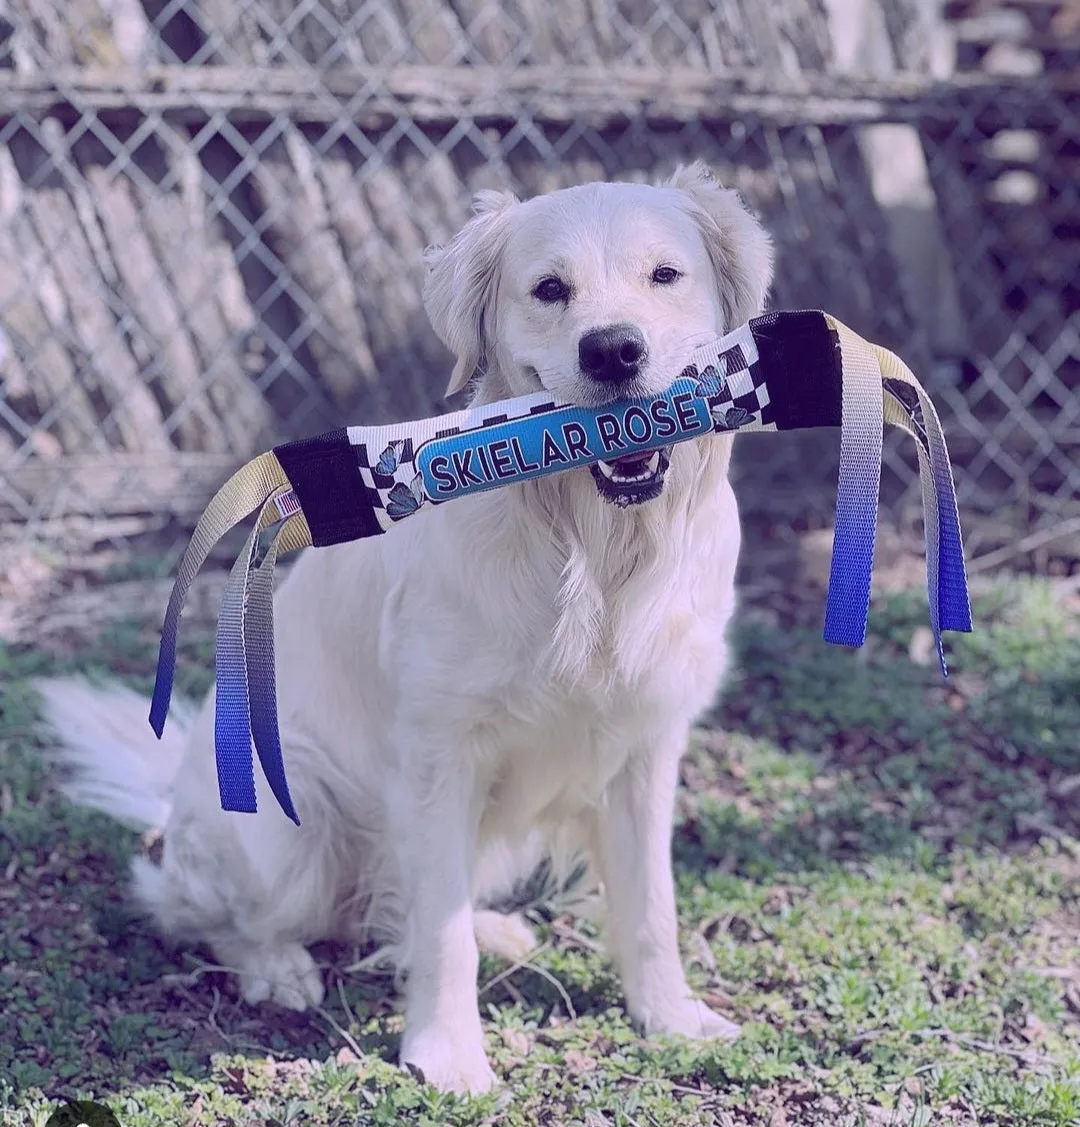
(740, 249)
(459, 292)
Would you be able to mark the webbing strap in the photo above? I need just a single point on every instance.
(246, 705)
(859, 482)
(232, 715)
(903, 403)
(262, 682)
(240, 496)
(946, 572)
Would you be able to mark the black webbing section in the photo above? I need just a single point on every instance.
(800, 356)
(325, 476)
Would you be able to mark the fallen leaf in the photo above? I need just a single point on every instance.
(578, 1061)
(516, 1040)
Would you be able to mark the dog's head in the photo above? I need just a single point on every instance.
(597, 293)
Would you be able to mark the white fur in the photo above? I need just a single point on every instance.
(509, 676)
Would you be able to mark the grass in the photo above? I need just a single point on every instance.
(878, 876)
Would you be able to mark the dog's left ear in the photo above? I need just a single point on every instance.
(740, 248)
(459, 292)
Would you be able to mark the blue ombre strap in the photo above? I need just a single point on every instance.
(261, 679)
(954, 606)
(232, 718)
(848, 602)
(246, 709)
(907, 405)
(878, 387)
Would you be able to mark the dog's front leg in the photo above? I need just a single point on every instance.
(443, 1037)
(632, 843)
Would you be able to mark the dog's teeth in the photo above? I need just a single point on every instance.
(646, 471)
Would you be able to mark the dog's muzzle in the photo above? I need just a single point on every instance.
(633, 480)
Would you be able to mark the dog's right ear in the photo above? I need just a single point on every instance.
(740, 248)
(462, 280)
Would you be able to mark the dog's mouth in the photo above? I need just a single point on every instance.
(632, 480)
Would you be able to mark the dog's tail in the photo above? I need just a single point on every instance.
(108, 754)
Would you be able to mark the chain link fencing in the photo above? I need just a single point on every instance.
(213, 213)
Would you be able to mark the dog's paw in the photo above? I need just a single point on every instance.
(507, 936)
(691, 1018)
(449, 1063)
(286, 975)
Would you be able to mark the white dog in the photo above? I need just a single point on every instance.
(508, 677)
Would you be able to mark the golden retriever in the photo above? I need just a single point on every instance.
(502, 679)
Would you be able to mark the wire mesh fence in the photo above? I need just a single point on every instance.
(213, 212)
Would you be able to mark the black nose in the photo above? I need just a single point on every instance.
(612, 354)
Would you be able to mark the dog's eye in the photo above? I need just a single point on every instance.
(665, 275)
(550, 290)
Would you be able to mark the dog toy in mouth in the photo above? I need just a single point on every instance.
(782, 371)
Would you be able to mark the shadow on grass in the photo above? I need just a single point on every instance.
(818, 756)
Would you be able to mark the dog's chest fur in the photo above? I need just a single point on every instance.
(632, 634)
(556, 750)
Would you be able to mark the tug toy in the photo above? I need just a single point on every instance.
(782, 371)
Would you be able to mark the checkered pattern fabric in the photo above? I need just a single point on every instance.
(385, 471)
(742, 400)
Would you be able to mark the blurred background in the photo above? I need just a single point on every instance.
(213, 213)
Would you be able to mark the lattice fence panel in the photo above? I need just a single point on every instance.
(213, 213)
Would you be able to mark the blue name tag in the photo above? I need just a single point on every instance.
(559, 439)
